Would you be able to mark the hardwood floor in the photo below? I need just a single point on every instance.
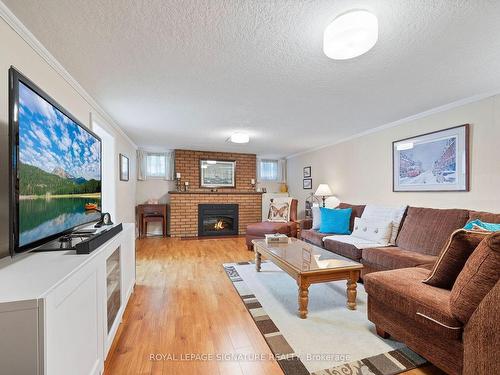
(184, 303)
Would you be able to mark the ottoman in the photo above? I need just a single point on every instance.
(258, 230)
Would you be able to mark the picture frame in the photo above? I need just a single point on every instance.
(217, 173)
(124, 168)
(307, 183)
(307, 172)
(437, 161)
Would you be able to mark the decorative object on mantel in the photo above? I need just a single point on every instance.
(323, 191)
(437, 161)
(307, 183)
(186, 185)
(124, 168)
(178, 186)
(307, 172)
(252, 182)
(311, 200)
(217, 173)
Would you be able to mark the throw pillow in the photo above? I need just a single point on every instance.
(316, 214)
(279, 212)
(335, 221)
(479, 275)
(478, 224)
(382, 213)
(373, 230)
(453, 257)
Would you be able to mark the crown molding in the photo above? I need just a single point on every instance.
(402, 121)
(37, 46)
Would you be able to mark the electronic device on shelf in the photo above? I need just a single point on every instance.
(83, 241)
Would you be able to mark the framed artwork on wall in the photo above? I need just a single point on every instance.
(217, 173)
(307, 183)
(437, 161)
(307, 172)
(124, 168)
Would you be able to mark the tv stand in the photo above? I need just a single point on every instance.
(60, 311)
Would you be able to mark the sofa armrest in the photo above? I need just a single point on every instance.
(482, 335)
(305, 223)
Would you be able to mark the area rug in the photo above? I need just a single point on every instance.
(332, 340)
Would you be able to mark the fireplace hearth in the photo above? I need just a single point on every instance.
(217, 219)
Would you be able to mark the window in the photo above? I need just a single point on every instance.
(268, 170)
(156, 165)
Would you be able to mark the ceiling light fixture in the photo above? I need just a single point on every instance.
(350, 35)
(239, 137)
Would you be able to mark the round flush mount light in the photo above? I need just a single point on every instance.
(239, 137)
(350, 35)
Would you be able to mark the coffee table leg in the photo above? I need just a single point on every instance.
(303, 298)
(258, 259)
(351, 291)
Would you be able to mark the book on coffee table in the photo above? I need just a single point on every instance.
(276, 238)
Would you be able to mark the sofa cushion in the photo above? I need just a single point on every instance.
(426, 230)
(452, 258)
(335, 220)
(345, 249)
(391, 258)
(313, 236)
(383, 213)
(378, 231)
(357, 211)
(480, 273)
(402, 291)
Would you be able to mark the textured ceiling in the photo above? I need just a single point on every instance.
(188, 73)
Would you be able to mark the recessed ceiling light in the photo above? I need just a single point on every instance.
(239, 137)
(350, 35)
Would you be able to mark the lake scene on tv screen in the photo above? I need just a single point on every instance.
(59, 170)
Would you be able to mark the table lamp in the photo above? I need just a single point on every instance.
(323, 191)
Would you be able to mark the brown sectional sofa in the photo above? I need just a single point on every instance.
(420, 315)
(422, 234)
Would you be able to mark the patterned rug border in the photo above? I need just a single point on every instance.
(390, 363)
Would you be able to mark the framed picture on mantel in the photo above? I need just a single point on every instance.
(437, 161)
(217, 173)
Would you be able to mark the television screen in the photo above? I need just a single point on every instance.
(58, 169)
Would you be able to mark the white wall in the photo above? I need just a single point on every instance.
(153, 189)
(16, 51)
(360, 170)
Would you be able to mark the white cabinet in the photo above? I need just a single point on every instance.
(54, 309)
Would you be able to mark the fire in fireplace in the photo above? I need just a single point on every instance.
(217, 219)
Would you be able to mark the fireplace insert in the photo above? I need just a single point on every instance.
(217, 219)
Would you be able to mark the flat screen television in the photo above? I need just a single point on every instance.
(55, 168)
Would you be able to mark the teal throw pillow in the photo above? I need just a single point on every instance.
(478, 224)
(335, 220)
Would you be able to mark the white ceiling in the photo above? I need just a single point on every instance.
(187, 73)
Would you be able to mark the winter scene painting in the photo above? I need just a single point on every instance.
(434, 161)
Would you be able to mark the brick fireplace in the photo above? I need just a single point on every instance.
(217, 219)
(185, 207)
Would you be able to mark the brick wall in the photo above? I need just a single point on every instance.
(184, 210)
(187, 162)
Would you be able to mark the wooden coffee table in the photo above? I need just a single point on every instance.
(309, 264)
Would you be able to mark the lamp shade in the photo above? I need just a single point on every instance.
(323, 190)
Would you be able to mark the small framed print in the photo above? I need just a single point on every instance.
(307, 172)
(124, 168)
(307, 183)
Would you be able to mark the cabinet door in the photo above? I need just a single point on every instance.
(74, 343)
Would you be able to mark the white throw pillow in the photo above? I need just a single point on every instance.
(316, 214)
(373, 230)
(279, 212)
(380, 213)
